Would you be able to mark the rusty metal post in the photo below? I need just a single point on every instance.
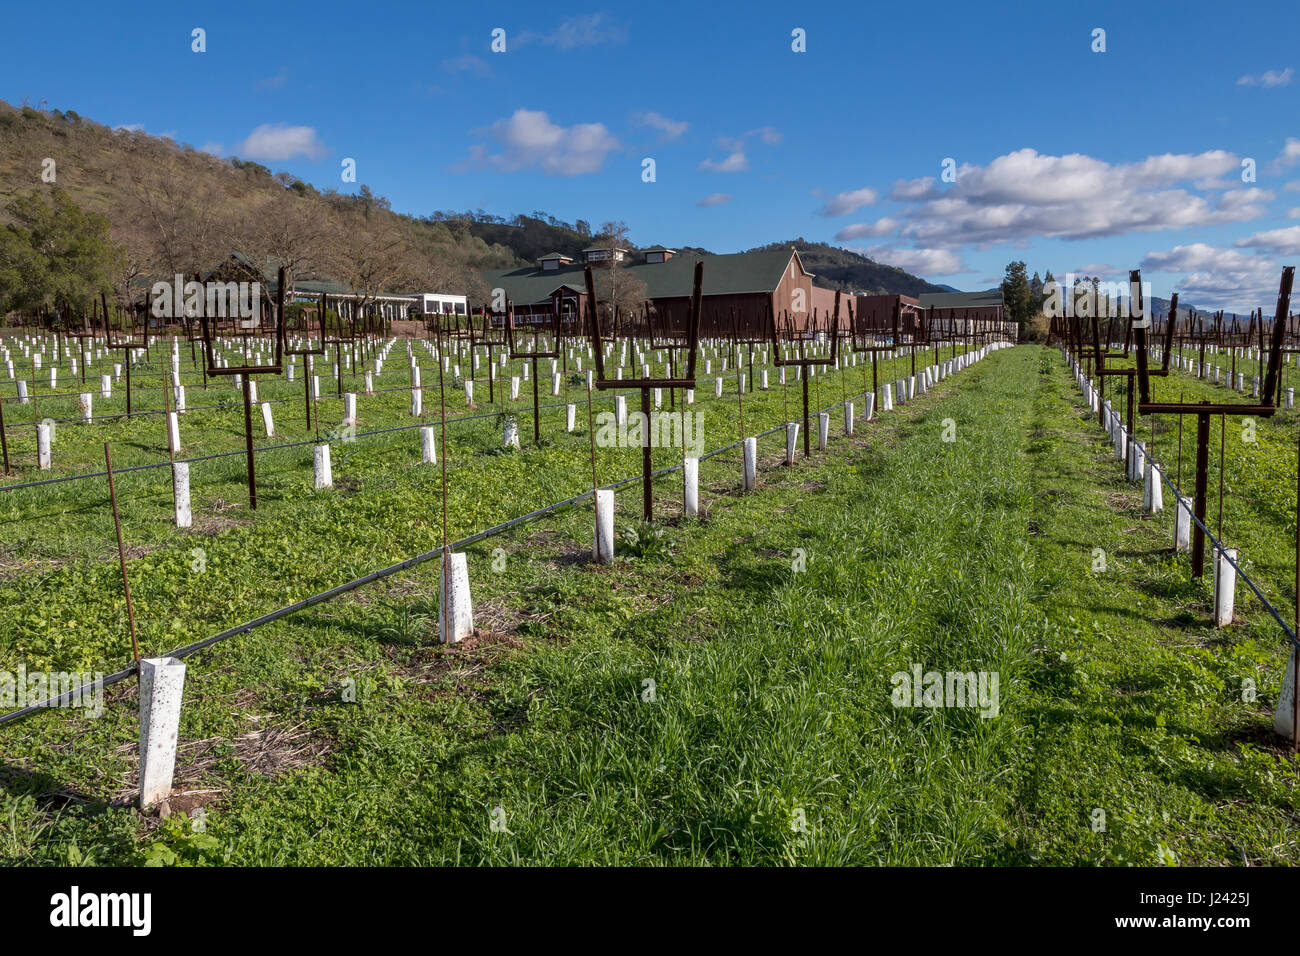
(647, 483)
(121, 555)
(4, 442)
(1202, 480)
(537, 409)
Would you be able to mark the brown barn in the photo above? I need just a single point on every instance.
(876, 313)
(742, 285)
(969, 314)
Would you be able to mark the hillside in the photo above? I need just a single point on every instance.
(531, 237)
(837, 268)
(174, 208)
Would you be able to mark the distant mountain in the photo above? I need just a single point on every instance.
(1161, 307)
(837, 268)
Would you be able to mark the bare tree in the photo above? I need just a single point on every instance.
(371, 255)
(614, 287)
(284, 228)
(180, 215)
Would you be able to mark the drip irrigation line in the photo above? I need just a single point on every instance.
(355, 583)
(227, 454)
(1219, 546)
(156, 411)
(1222, 551)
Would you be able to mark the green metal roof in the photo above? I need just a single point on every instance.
(735, 274)
(961, 300)
(305, 283)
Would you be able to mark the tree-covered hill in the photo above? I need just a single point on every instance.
(837, 268)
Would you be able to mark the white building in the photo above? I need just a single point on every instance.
(440, 303)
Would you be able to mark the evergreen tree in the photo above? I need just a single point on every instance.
(1016, 294)
(54, 255)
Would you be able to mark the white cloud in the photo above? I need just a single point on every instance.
(1197, 255)
(919, 261)
(1171, 168)
(1281, 242)
(716, 199)
(668, 129)
(1293, 212)
(591, 29)
(1025, 194)
(1252, 198)
(734, 163)
(467, 63)
(841, 204)
(1268, 78)
(529, 138)
(277, 142)
(910, 190)
(1290, 156)
(863, 230)
(214, 148)
(274, 82)
(1219, 278)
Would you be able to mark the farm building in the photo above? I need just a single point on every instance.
(947, 313)
(342, 298)
(877, 312)
(439, 303)
(965, 312)
(742, 284)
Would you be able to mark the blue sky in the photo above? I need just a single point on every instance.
(1065, 157)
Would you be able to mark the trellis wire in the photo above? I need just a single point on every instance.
(313, 600)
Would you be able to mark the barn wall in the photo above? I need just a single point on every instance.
(784, 299)
(716, 311)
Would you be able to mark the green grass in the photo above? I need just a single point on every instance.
(772, 685)
(59, 582)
